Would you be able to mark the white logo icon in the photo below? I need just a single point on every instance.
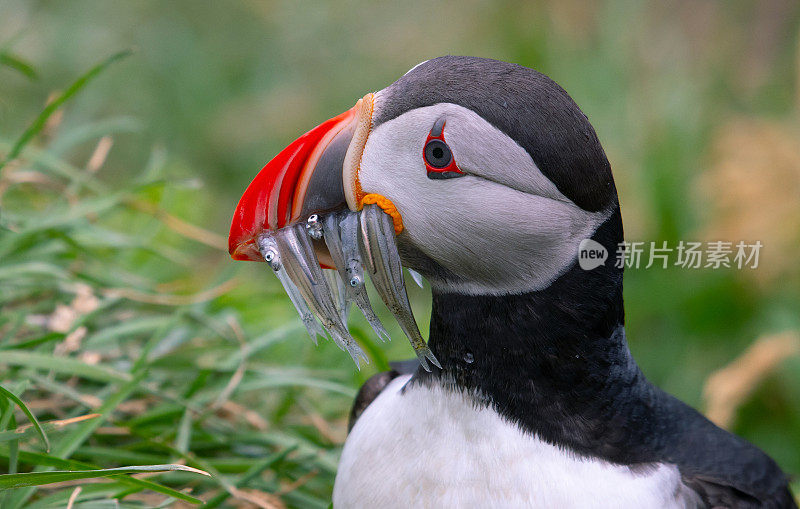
(591, 254)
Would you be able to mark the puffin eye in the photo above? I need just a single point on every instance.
(438, 157)
(437, 154)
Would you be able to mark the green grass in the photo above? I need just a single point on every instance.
(134, 340)
(169, 376)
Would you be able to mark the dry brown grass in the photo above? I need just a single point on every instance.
(729, 387)
(750, 192)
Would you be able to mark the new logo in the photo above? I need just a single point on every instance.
(591, 254)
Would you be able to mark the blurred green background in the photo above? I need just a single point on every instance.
(118, 298)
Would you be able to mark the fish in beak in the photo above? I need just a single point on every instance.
(305, 215)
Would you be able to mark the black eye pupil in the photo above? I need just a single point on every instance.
(437, 154)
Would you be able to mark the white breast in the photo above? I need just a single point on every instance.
(430, 447)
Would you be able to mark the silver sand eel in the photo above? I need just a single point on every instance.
(323, 297)
(269, 250)
(335, 282)
(297, 259)
(386, 272)
(341, 237)
(339, 293)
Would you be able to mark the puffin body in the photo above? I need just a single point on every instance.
(439, 448)
(493, 177)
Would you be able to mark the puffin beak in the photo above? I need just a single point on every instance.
(304, 178)
(306, 206)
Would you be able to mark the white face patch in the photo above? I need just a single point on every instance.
(502, 229)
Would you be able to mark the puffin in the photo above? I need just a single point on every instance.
(484, 177)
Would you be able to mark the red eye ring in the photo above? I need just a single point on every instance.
(438, 157)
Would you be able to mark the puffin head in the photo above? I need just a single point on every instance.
(490, 172)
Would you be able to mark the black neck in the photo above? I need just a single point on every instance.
(554, 361)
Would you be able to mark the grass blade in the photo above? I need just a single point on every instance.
(19, 65)
(28, 414)
(21, 432)
(74, 88)
(135, 483)
(10, 481)
(66, 366)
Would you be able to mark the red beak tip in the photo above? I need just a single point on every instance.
(244, 251)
